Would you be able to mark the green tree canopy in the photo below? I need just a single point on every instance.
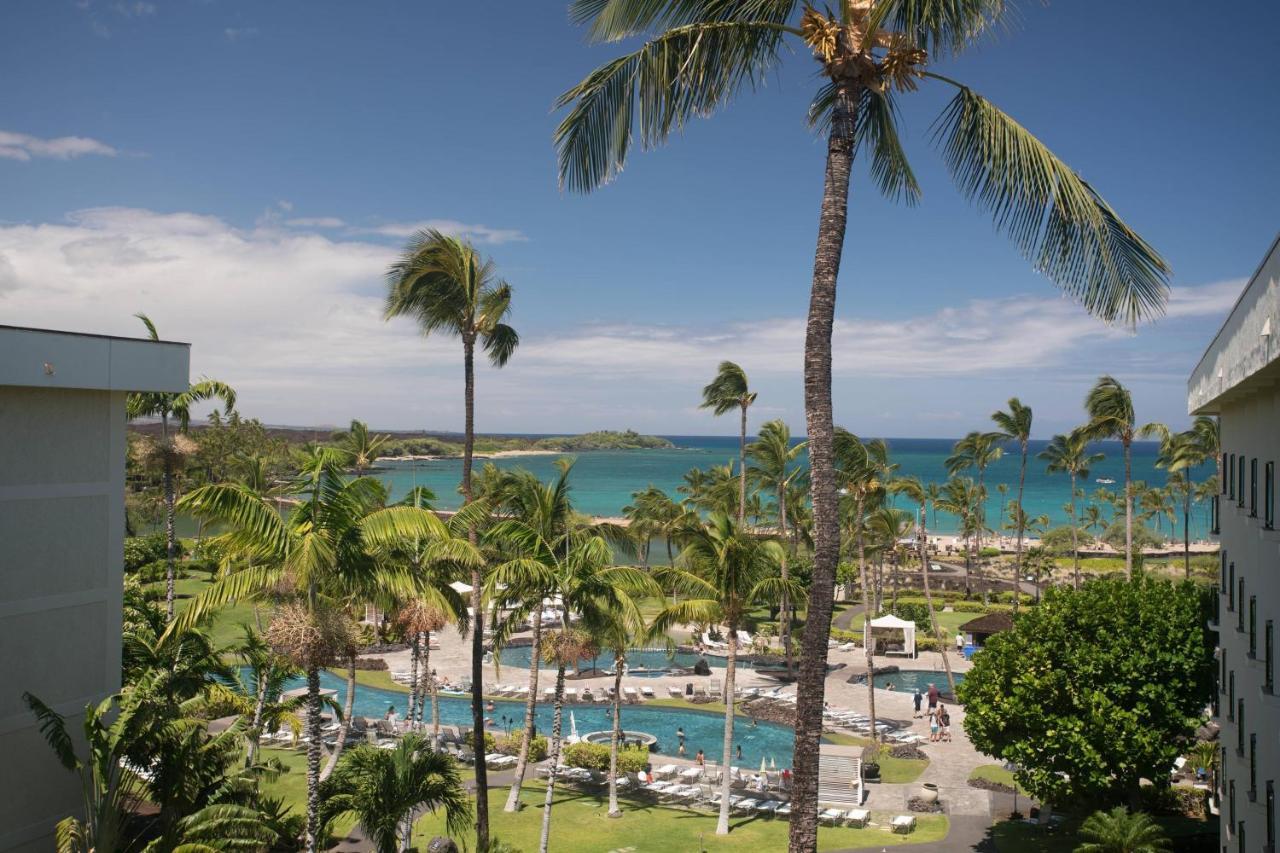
(1094, 689)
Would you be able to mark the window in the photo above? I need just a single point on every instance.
(1269, 496)
(1214, 527)
(1240, 611)
(1231, 802)
(1253, 626)
(1231, 586)
(1222, 675)
(1253, 767)
(1240, 837)
(1231, 695)
(1224, 585)
(1271, 814)
(1231, 477)
(1240, 481)
(1253, 488)
(1239, 727)
(1269, 648)
(1226, 472)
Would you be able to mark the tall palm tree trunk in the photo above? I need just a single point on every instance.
(313, 759)
(982, 525)
(867, 642)
(1128, 514)
(170, 535)
(928, 600)
(820, 429)
(784, 632)
(530, 707)
(618, 663)
(415, 652)
(348, 707)
(1022, 528)
(477, 601)
(730, 669)
(435, 700)
(742, 467)
(255, 731)
(556, 722)
(1186, 530)
(1075, 536)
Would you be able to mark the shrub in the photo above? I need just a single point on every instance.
(142, 550)
(511, 746)
(987, 553)
(489, 743)
(155, 572)
(595, 756)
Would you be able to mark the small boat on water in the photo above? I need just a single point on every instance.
(1106, 481)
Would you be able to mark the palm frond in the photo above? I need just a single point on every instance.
(877, 126)
(1057, 220)
(614, 20)
(685, 72)
(941, 27)
(54, 729)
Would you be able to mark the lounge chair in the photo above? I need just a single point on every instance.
(769, 808)
(831, 817)
(646, 691)
(674, 691)
(784, 810)
(744, 639)
(571, 694)
(858, 817)
(713, 644)
(714, 689)
(747, 805)
(690, 774)
(665, 771)
(548, 694)
(630, 694)
(903, 823)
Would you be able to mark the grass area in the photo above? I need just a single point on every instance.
(842, 739)
(580, 824)
(900, 770)
(225, 627)
(1187, 835)
(996, 773)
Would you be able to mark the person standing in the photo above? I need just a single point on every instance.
(946, 723)
(933, 724)
(701, 759)
(916, 699)
(933, 697)
(959, 643)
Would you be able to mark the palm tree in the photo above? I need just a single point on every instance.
(919, 492)
(1094, 519)
(325, 550)
(729, 391)
(362, 448)
(695, 57)
(724, 571)
(773, 464)
(1003, 489)
(1180, 452)
(263, 685)
(1069, 454)
(1122, 831)
(169, 406)
(976, 451)
(386, 788)
(1110, 409)
(1015, 425)
(961, 497)
(447, 287)
(863, 468)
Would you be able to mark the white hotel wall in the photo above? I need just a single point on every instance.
(62, 447)
(1237, 379)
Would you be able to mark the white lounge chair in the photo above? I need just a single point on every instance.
(769, 807)
(674, 691)
(689, 774)
(747, 805)
(744, 639)
(646, 691)
(903, 823)
(571, 694)
(666, 771)
(630, 694)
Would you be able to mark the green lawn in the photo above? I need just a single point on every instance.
(901, 770)
(842, 739)
(995, 773)
(1018, 837)
(225, 627)
(579, 824)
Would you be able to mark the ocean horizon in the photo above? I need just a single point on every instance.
(603, 481)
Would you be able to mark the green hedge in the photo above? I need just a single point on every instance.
(511, 746)
(595, 756)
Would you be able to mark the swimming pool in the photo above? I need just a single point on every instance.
(652, 660)
(911, 680)
(703, 729)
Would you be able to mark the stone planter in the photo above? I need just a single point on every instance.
(928, 792)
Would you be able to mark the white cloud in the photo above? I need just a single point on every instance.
(315, 222)
(137, 9)
(22, 146)
(239, 33)
(475, 233)
(293, 319)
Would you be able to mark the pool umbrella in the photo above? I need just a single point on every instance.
(762, 767)
(773, 765)
(573, 729)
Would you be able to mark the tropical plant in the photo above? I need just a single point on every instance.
(173, 410)
(326, 552)
(1015, 425)
(961, 497)
(695, 57)
(724, 571)
(1110, 410)
(774, 466)
(362, 449)
(1122, 831)
(920, 493)
(976, 451)
(1069, 454)
(729, 391)
(262, 686)
(386, 789)
(1179, 453)
(444, 284)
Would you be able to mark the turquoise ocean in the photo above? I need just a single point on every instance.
(603, 481)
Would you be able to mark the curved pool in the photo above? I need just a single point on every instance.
(703, 729)
(911, 680)
(650, 660)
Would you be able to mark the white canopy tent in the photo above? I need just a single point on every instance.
(891, 625)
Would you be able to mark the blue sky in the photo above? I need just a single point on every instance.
(244, 171)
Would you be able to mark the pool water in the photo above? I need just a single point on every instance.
(637, 659)
(703, 729)
(911, 680)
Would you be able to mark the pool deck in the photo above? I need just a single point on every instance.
(949, 763)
